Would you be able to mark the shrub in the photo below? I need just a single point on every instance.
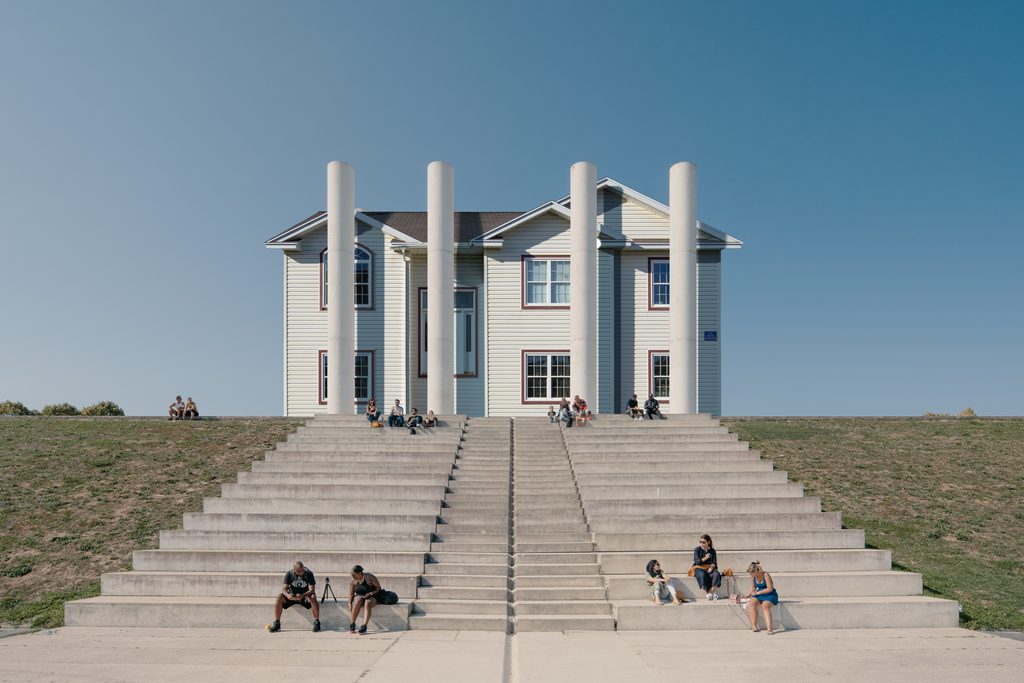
(968, 412)
(15, 408)
(60, 409)
(103, 408)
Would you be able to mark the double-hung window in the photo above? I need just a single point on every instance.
(659, 363)
(545, 375)
(545, 281)
(363, 389)
(464, 336)
(659, 283)
(362, 284)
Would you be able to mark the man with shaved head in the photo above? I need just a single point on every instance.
(299, 589)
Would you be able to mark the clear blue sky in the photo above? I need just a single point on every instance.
(869, 155)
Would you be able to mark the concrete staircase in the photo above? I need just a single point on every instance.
(557, 583)
(649, 489)
(465, 584)
(335, 494)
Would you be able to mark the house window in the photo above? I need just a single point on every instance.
(658, 276)
(363, 389)
(545, 376)
(659, 365)
(362, 278)
(545, 282)
(465, 332)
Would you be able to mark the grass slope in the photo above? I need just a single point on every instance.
(78, 495)
(945, 495)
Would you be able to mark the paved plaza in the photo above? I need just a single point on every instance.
(155, 655)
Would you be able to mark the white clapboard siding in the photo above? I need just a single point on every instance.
(392, 364)
(631, 218)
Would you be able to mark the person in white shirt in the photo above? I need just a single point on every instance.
(396, 418)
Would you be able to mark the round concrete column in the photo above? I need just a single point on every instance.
(341, 235)
(440, 288)
(583, 281)
(682, 318)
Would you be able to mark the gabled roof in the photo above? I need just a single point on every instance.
(481, 226)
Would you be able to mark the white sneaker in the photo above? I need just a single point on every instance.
(714, 596)
(708, 596)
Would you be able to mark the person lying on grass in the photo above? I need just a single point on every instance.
(299, 589)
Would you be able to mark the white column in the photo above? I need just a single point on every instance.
(583, 281)
(341, 235)
(682, 318)
(440, 288)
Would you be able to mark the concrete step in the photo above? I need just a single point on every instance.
(498, 531)
(726, 540)
(564, 608)
(555, 558)
(565, 581)
(318, 506)
(500, 593)
(835, 612)
(591, 440)
(342, 453)
(325, 491)
(341, 478)
(558, 622)
(534, 527)
(669, 491)
(709, 505)
(263, 585)
(471, 547)
(459, 581)
(208, 521)
(501, 558)
(295, 540)
(466, 568)
(572, 547)
(314, 469)
(563, 593)
(459, 622)
(717, 523)
(669, 468)
(678, 564)
(649, 461)
(323, 562)
(464, 606)
(586, 480)
(211, 612)
(789, 584)
(573, 569)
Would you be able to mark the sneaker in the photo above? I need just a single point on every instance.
(362, 629)
(316, 626)
(351, 628)
(708, 596)
(275, 627)
(714, 596)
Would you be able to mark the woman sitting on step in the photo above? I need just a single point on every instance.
(372, 414)
(763, 593)
(660, 584)
(705, 568)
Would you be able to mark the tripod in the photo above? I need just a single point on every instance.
(328, 589)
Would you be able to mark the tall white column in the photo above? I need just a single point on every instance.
(583, 281)
(682, 317)
(341, 235)
(440, 288)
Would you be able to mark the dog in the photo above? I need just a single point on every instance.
(377, 424)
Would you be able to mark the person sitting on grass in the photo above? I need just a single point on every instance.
(365, 593)
(177, 409)
(660, 584)
(396, 418)
(299, 589)
(430, 420)
(415, 420)
(191, 411)
(633, 409)
(705, 568)
(372, 414)
(762, 593)
(652, 407)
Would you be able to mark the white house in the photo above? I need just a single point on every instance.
(513, 327)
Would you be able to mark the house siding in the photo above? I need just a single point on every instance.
(709, 318)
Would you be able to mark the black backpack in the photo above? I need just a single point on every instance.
(387, 598)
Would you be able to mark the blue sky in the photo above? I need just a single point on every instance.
(868, 154)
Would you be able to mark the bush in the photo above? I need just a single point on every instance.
(60, 409)
(968, 412)
(103, 408)
(15, 408)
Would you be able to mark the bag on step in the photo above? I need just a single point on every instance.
(387, 598)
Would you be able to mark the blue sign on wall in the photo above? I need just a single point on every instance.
(711, 335)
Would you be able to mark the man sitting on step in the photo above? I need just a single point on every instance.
(652, 407)
(299, 589)
(396, 418)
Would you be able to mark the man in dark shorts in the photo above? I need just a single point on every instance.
(299, 589)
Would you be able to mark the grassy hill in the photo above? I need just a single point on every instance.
(78, 495)
(946, 495)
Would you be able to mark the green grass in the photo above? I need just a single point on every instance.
(946, 495)
(77, 496)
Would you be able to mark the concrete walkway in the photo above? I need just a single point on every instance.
(154, 655)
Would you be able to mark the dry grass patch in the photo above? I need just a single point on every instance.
(78, 495)
(944, 494)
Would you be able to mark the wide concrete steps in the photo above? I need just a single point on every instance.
(792, 613)
(868, 583)
(232, 584)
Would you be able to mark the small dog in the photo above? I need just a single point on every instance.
(377, 424)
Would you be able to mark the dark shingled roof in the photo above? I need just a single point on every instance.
(468, 224)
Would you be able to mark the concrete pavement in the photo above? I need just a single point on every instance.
(156, 655)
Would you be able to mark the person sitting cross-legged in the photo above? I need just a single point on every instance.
(191, 411)
(430, 420)
(415, 420)
(633, 409)
(372, 414)
(299, 589)
(396, 418)
(652, 407)
(705, 567)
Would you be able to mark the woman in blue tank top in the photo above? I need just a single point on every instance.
(762, 593)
